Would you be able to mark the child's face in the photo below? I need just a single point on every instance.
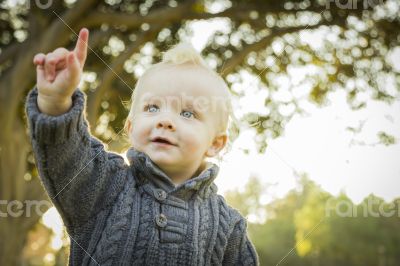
(177, 114)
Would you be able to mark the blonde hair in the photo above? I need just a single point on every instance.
(184, 53)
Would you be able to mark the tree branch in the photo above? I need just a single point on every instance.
(182, 12)
(9, 52)
(158, 16)
(239, 57)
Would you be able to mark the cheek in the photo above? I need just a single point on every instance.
(197, 140)
(139, 133)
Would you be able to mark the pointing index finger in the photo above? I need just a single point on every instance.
(81, 46)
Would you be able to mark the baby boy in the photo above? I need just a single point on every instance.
(160, 209)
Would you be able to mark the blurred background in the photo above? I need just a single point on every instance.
(314, 162)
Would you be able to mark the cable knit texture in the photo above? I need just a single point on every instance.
(119, 213)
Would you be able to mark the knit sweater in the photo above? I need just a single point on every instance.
(119, 213)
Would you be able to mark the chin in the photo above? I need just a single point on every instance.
(162, 159)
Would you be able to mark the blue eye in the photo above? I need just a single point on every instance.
(187, 114)
(152, 108)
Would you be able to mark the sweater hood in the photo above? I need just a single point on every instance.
(147, 171)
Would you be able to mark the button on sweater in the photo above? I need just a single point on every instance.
(120, 213)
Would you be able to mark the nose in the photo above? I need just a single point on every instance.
(166, 124)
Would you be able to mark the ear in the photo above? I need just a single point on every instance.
(217, 145)
(128, 126)
(128, 129)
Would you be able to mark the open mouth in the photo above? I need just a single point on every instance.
(162, 141)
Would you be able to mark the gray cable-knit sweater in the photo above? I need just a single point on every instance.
(120, 214)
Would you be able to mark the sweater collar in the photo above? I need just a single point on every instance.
(148, 172)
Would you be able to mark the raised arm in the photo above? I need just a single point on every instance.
(80, 177)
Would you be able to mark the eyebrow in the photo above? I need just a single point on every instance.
(186, 104)
(191, 106)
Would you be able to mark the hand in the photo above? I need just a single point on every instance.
(58, 74)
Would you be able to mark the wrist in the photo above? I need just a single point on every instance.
(53, 106)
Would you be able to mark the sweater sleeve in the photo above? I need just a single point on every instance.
(240, 250)
(80, 177)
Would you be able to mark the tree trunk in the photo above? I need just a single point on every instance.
(13, 238)
(16, 195)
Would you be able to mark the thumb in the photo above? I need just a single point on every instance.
(40, 77)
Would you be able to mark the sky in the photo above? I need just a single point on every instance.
(320, 146)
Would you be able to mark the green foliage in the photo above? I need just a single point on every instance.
(311, 227)
(386, 138)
